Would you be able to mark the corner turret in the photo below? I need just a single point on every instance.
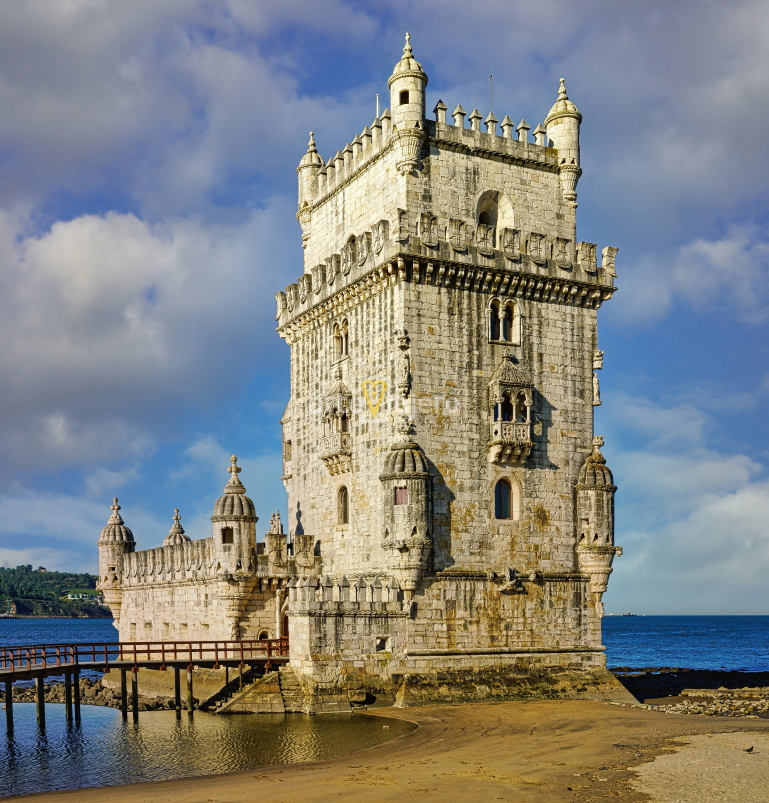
(234, 526)
(407, 486)
(562, 124)
(308, 170)
(595, 520)
(115, 541)
(407, 101)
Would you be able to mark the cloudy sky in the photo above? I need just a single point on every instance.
(147, 199)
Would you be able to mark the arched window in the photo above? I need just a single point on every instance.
(506, 409)
(341, 340)
(503, 500)
(228, 536)
(263, 636)
(521, 411)
(343, 506)
(507, 324)
(404, 98)
(344, 424)
(494, 321)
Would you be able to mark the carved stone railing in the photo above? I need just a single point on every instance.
(335, 452)
(510, 442)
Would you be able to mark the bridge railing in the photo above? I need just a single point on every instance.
(103, 654)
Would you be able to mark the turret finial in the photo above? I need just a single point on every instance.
(234, 485)
(311, 145)
(405, 426)
(407, 46)
(595, 456)
(115, 518)
(562, 90)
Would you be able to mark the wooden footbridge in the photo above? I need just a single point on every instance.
(40, 661)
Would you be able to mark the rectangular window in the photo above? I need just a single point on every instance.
(401, 496)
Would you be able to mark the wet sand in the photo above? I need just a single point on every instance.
(523, 752)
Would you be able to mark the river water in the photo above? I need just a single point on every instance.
(104, 750)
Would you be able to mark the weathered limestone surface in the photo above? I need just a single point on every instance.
(450, 512)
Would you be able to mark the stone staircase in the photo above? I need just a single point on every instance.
(291, 690)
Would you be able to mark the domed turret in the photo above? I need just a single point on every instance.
(594, 471)
(234, 523)
(407, 103)
(176, 534)
(116, 531)
(307, 171)
(115, 541)
(595, 520)
(407, 486)
(562, 125)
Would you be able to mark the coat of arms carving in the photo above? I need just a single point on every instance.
(428, 229)
(537, 248)
(458, 235)
(381, 233)
(484, 239)
(511, 243)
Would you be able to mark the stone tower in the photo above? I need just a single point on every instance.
(438, 442)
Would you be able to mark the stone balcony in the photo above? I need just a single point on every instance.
(510, 442)
(335, 452)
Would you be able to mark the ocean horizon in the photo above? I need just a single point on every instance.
(718, 642)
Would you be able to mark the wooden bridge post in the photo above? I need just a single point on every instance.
(177, 689)
(68, 696)
(9, 706)
(189, 690)
(135, 693)
(76, 694)
(123, 694)
(40, 700)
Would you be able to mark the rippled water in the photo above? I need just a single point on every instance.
(739, 643)
(105, 751)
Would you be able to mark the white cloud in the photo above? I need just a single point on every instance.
(728, 276)
(691, 519)
(110, 324)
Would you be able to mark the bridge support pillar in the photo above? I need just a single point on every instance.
(76, 694)
(123, 694)
(189, 690)
(68, 696)
(135, 693)
(40, 700)
(9, 706)
(177, 689)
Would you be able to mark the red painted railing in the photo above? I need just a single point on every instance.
(137, 653)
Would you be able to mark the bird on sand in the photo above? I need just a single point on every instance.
(749, 750)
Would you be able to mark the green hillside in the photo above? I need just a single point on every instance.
(37, 592)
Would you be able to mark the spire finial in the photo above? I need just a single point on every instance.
(595, 456)
(234, 469)
(115, 518)
(562, 90)
(405, 426)
(311, 144)
(407, 47)
(177, 517)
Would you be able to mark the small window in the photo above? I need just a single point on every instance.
(341, 340)
(344, 506)
(344, 424)
(401, 496)
(287, 451)
(503, 500)
(383, 644)
(494, 321)
(404, 97)
(228, 537)
(263, 636)
(507, 324)
(485, 218)
(506, 410)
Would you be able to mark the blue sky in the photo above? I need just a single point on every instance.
(147, 200)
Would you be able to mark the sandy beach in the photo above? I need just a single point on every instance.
(523, 752)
